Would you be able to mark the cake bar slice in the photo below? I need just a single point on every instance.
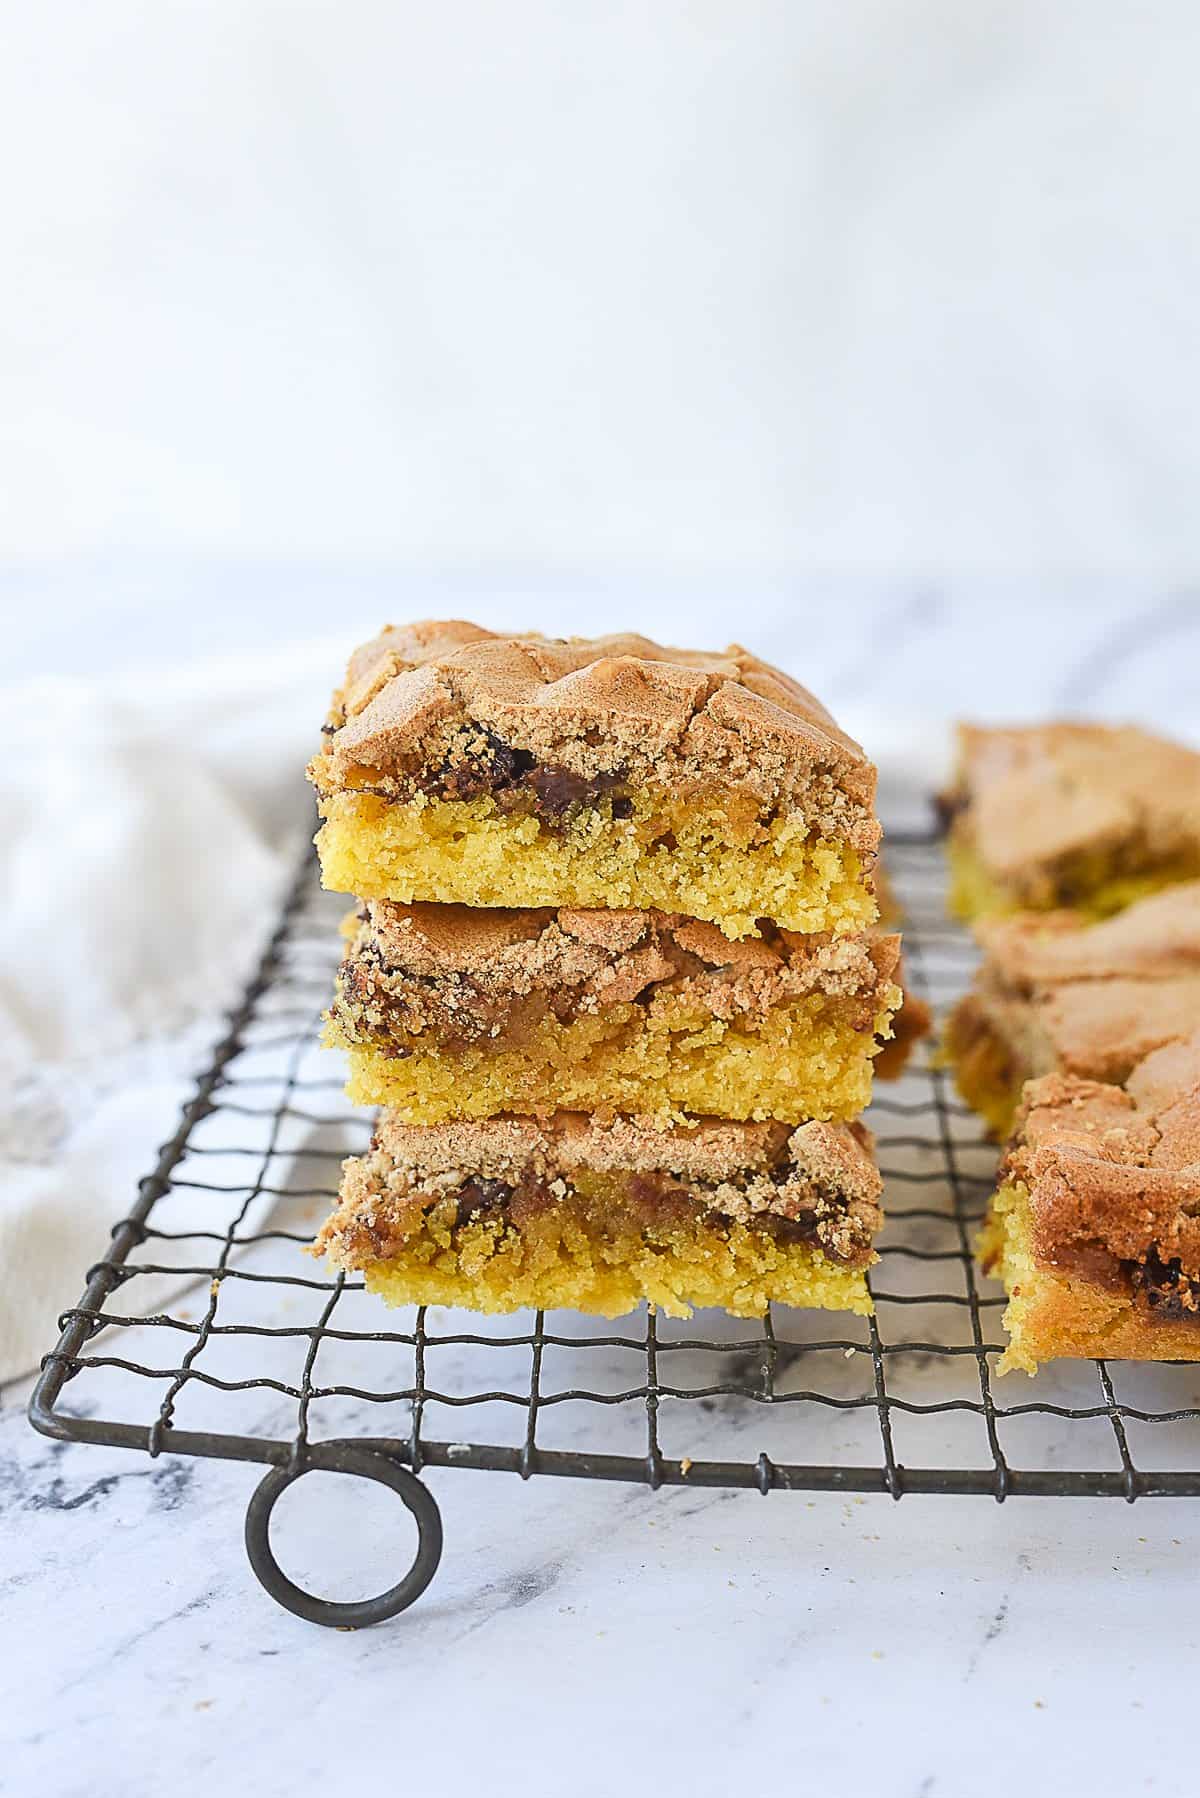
(1095, 1229)
(1069, 815)
(446, 1011)
(596, 1216)
(1055, 991)
(464, 767)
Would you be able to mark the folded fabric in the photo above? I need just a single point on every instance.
(148, 829)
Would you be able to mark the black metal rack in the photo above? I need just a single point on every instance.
(318, 1375)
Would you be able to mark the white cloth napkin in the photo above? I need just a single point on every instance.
(148, 828)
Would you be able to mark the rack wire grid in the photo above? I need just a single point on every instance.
(206, 1330)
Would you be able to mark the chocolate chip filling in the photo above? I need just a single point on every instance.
(486, 765)
(665, 1203)
(479, 1197)
(1167, 1291)
(378, 1004)
(1162, 1286)
(455, 1010)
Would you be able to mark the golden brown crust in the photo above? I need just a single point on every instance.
(604, 707)
(1042, 804)
(1157, 938)
(470, 974)
(1114, 1171)
(1057, 992)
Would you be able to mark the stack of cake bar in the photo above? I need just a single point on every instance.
(1080, 1040)
(613, 976)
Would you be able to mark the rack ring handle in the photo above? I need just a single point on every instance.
(344, 1457)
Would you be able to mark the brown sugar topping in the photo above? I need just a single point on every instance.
(454, 709)
(1091, 998)
(1116, 1168)
(470, 973)
(1035, 796)
(817, 1181)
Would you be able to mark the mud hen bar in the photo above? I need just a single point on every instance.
(449, 1011)
(1069, 815)
(509, 1213)
(1094, 1229)
(464, 767)
(1058, 993)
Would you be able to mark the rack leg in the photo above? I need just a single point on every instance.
(344, 1457)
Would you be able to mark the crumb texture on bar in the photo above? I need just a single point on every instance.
(1095, 1228)
(791, 1065)
(590, 1261)
(598, 1216)
(1057, 991)
(1081, 815)
(447, 1011)
(455, 701)
(909, 1026)
(673, 856)
(472, 972)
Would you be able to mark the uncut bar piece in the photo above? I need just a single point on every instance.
(447, 1011)
(463, 767)
(597, 1216)
(1069, 815)
(1094, 1229)
(1055, 992)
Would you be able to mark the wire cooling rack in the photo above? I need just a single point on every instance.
(206, 1330)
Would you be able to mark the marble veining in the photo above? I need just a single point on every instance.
(579, 1636)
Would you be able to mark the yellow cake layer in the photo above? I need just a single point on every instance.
(1046, 1318)
(972, 893)
(1006, 1254)
(673, 854)
(1050, 1316)
(599, 1259)
(800, 1062)
(1091, 887)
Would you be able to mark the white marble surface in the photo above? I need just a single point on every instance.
(581, 1637)
(586, 1638)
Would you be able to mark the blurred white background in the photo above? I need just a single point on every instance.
(725, 290)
